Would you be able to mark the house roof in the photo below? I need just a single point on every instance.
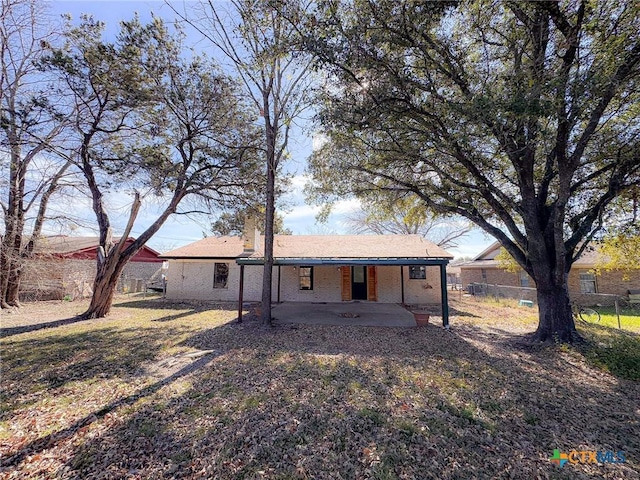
(65, 245)
(318, 247)
(486, 258)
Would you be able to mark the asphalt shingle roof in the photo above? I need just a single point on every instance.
(318, 246)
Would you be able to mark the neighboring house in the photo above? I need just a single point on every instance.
(311, 268)
(584, 284)
(66, 266)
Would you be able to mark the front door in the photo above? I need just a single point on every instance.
(359, 282)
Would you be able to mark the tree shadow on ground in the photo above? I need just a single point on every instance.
(47, 441)
(50, 362)
(159, 303)
(10, 331)
(322, 402)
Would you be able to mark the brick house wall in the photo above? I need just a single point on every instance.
(611, 283)
(56, 278)
(193, 280)
(607, 283)
(492, 275)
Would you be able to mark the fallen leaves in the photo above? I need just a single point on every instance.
(190, 395)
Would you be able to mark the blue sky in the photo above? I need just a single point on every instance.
(178, 231)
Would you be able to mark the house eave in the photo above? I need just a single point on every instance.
(347, 261)
(190, 257)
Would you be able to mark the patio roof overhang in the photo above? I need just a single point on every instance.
(345, 261)
(440, 262)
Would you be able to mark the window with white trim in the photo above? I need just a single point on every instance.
(524, 279)
(588, 282)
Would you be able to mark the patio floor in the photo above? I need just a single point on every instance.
(369, 314)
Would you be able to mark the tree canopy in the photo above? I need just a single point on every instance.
(156, 123)
(232, 223)
(520, 116)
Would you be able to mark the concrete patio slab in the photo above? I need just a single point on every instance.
(368, 314)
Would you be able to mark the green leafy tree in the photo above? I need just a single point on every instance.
(156, 124)
(619, 252)
(507, 262)
(232, 223)
(521, 117)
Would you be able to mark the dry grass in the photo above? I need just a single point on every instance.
(163, 390)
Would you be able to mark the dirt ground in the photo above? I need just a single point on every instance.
(164, 390)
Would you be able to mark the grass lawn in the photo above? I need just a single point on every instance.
(166, 390)
(629, 320)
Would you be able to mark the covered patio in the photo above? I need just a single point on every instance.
(364, 314)
(376, 312)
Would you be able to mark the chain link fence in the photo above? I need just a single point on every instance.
(610, 304)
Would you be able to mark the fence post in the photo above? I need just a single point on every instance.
(618, 315)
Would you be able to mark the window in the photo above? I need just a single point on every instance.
(484, 275)
(588, 283)
(220, 275)
(524, 279)
(417, 272)
(306, 278)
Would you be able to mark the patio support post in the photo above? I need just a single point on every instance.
(444, 295)
(279, 283)
(240, 294)
(402, 283)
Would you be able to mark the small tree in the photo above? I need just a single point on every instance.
(619, 252)
(263, 48)
(155, 123)
(232, 223)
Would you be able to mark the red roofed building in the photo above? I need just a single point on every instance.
(66, 266)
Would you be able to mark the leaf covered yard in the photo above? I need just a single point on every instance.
(167, 390)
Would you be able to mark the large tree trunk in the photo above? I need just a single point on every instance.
(110, 267)
(10, 268)
(5, 269)
(268, 247)
(555, 322)
(12, 296)
(104, 286)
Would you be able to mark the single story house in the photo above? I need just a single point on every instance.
(584, 285)
(311, 268)
(66, 266)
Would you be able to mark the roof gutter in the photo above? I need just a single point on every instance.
(347, 261)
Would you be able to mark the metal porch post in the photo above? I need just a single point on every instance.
(240, 294)
(279, 283)
(444, 295)
(402, 283)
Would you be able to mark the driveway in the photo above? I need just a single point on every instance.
(368, 314)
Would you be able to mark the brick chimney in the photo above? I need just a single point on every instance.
(250, 235)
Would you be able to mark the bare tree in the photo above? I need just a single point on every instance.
(406, 215)
(29, 126)
(262, 47)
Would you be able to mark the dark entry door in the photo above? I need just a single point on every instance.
(359, 282)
